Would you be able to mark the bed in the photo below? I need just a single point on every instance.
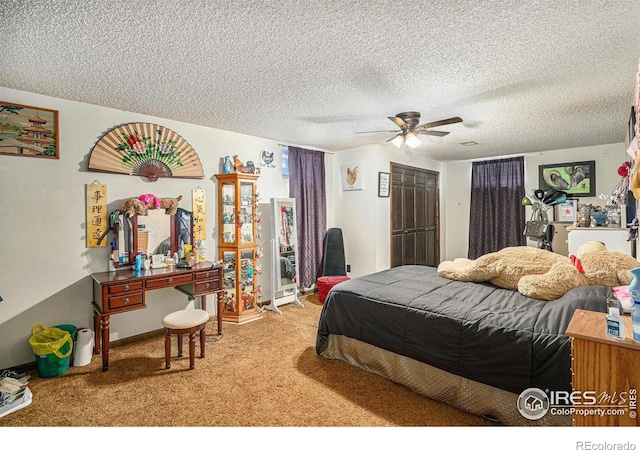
(472, 345)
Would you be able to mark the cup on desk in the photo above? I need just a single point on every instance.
(147, 264)
(187, 252)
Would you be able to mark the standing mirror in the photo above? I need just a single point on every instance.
(284, 245)
(284, 216)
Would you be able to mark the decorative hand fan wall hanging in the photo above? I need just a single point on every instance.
(147, 150)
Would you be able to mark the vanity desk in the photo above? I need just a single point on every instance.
(124, 290)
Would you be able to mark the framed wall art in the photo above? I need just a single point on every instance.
(577, 179)
(352, 177)
(384, 181)
(566, 212)
(28, 131)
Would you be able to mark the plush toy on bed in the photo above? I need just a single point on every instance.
(542, 274)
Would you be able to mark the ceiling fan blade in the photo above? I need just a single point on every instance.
(432, 132)
(398, 121)
(440, 122)
(379, 131)
(399, 134)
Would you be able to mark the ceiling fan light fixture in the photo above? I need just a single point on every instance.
(412, 139)
(397, 141)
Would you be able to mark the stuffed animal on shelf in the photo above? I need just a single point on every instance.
(170, 205)
(134, 206)
(150, 200)
(541, 274)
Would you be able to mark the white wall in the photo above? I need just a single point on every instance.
(45, 266)
(458, 187)
(363, 216)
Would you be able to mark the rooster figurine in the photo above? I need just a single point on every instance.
(242, 168)
(352, 176)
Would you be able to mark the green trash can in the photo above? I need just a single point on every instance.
(73, 331)
(52, 348)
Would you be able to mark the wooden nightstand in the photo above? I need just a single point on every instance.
(606, 369)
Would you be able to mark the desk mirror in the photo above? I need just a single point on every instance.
(153, 233)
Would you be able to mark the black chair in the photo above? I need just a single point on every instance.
(333, 259)
(334, 267)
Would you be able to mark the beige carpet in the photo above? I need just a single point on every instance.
(262, 373)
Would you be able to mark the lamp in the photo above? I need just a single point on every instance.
(397, 141)
(409, 137)
(412, 139)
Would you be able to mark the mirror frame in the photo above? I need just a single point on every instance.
(276, 204)
(175, 227)
(133, 220)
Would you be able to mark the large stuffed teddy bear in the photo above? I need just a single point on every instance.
(542, 274)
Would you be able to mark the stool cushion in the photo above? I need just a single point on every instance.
(326, 283)
(185, 318)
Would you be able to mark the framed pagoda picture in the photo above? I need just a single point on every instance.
(28, 131)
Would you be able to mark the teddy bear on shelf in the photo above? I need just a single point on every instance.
(170, 204)
(150, 201)
(541, 274)
(134, 206)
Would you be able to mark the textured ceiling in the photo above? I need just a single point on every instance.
(525, 75)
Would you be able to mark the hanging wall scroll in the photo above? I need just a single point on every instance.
(199, 215)
(96, 214)
(147, 150)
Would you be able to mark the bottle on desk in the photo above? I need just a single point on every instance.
(615, 325)
(195, 256)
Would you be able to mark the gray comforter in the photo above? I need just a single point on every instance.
(478, 331)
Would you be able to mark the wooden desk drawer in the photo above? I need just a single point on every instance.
(206, 286)
(125, 287)
(126, 301)
(207, 275)
(213, 277)
(174, 280)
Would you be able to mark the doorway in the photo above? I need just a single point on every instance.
(415, 224)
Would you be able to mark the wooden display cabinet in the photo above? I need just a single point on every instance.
(606, 368)
(237, 245)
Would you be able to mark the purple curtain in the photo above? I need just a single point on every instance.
(306, 186)
(497, 215)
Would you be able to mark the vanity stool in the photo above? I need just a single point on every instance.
(186, 321)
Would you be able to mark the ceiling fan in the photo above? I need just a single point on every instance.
(410, 128)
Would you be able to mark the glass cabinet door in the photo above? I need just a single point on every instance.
(229, 281)
(247, 273)
(245, 219)
(228, 213)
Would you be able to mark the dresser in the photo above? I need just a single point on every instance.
(615, 239)
(124, 290)
(605, 372)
